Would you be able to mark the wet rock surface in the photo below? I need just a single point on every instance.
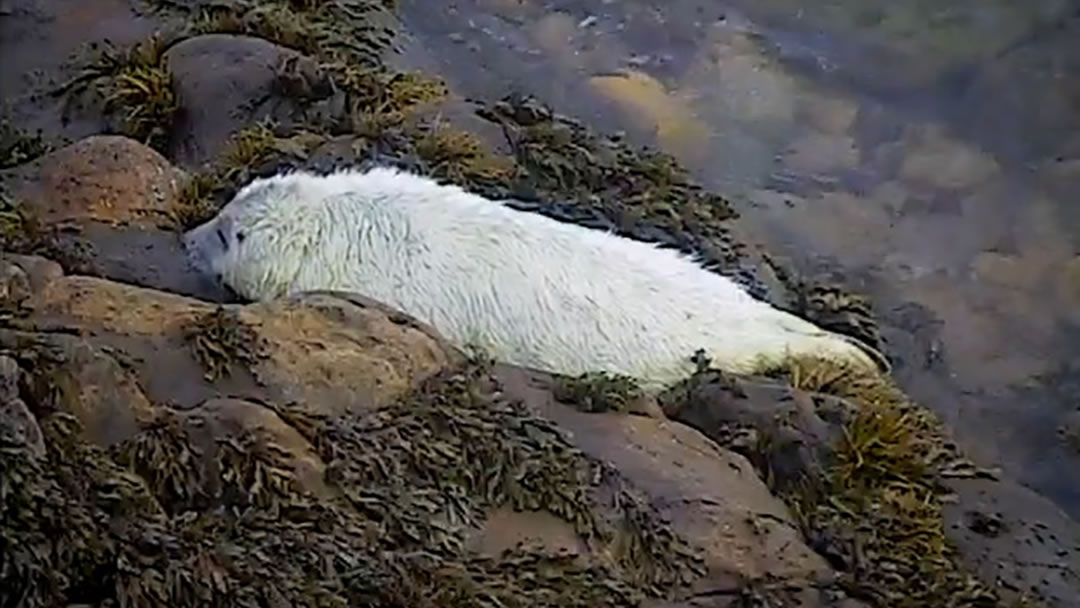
(224, 83)
(1003, 531)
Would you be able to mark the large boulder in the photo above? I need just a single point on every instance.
(117, 201)
(103, 178)
(225, 82)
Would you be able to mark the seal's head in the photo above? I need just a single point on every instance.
(258, 241)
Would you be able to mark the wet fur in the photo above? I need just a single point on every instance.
(531, 290)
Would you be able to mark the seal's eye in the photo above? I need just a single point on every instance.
(239, 237)
(221, 237)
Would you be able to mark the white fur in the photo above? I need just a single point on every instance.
(531, 290)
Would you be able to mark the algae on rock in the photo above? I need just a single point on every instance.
(133, 83)
(408, 480)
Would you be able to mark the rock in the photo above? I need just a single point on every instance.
(1069, 284)
(15, 286)
(712, 496)
(1069, 430)
(1007, 533)
(104, 178)
(224, 83)
(828, 113)
(505, 528)
(745, 83)
(1006, 270)
(220, 419)
(139, 256)
(38, 39)
(13, 410)
(649, 104)
(342, 352)
(337, 353)
(73, 375)
(821, 153)
(117, 202)
(1024, 102)
(796, 428)
(935, 159)
(39, 271)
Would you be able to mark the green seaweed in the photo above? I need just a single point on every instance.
(135, 85)
(350, 31)
(598, 392)
(877, 511)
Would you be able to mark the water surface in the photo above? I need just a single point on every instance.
(929, 156)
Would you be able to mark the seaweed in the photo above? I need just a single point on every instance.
(18, 147)
(23, 232)
(163, 455)
(351, 31)
(460, 157)
(82, 524)
(598, 392)
(876, 514)
(135, 84)
(247, 152)
(220, 339)
(600, 181)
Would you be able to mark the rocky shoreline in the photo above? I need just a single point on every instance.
(164, 444)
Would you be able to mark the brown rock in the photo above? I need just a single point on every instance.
(39, 271)
(14, 286)
(13, 410)
(217, 419)
(104, 178)
(335, 353)
(712, 496)
(117, 202)
(75, 376)
(342, 352)
(935, 159)
(506, 528)
(784, 431)
(822, 153)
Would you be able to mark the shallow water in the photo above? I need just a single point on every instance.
(928, 156)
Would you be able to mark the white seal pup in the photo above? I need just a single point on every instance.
(530, 290)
